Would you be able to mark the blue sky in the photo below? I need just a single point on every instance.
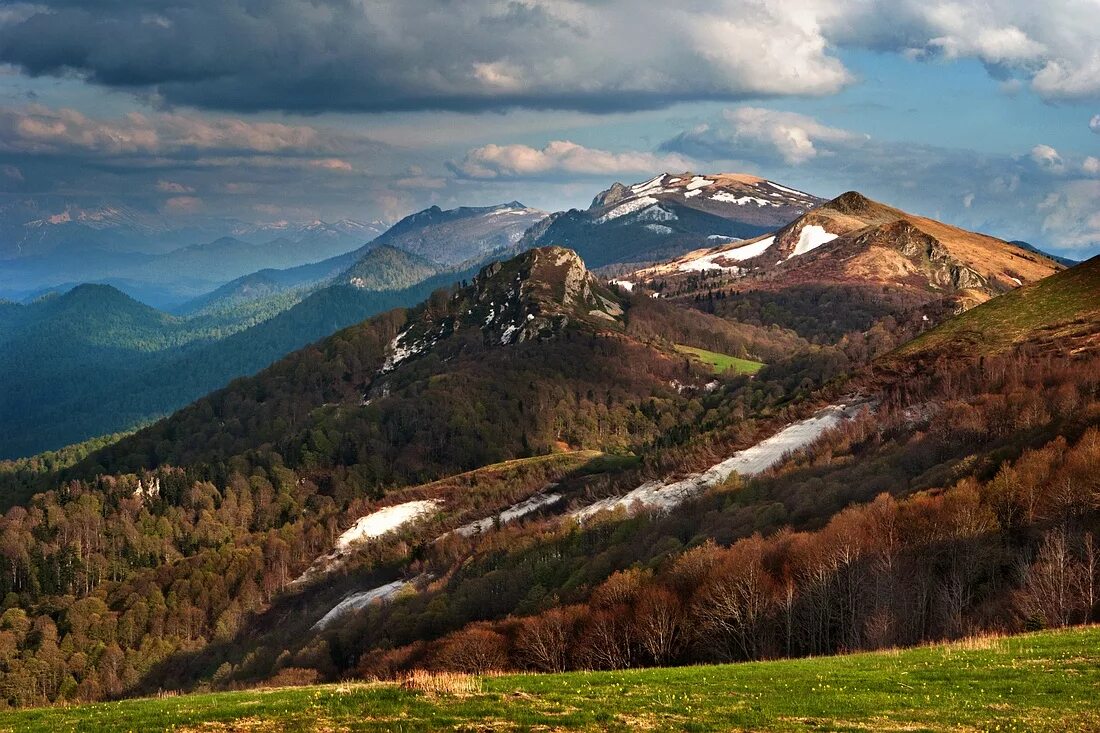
(975, 112)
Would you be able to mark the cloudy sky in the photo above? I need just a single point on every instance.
(985, 113)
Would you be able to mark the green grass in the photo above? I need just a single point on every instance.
(721, 362)
(1064, 304)
(1036, 682)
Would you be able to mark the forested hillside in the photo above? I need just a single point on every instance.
(482, 430)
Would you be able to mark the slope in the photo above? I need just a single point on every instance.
(456, 236)
(1061, 311)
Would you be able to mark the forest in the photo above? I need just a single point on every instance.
(172, 558)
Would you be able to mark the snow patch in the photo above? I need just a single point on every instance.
(384, 521)
(624, 284)
(655, 213)
(728, 197)
(357, 601)
(659, 228)
(799, 194)
(625, 208)
(641, 188)
(706, 262)
(748, 462)
(400, 350)
(512, 513)
(811, 237)
(698, 182)
(747, 252)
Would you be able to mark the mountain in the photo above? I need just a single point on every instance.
(1066, 261)
(525, 472)
(670, 214)
(846, 265)
(461, 235)
(94, 361)
(542, 307)
(146, 257)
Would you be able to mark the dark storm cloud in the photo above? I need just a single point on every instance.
(375, 55)
(421, 54)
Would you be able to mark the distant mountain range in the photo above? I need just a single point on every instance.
(92, 361)
(161, 266)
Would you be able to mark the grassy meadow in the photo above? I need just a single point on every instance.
(1047, 681)
(721, 362)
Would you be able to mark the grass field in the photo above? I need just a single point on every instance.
(1037, 682)
(721, 362)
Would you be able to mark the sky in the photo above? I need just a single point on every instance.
(985, 114)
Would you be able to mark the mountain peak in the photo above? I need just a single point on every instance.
(852, 202)
(534, 296)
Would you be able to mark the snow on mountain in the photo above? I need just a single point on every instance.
(371, 526)
(811, 237)
(749, 462)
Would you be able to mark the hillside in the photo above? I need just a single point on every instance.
(1036, 682)
(669, 215)
(1062, 310)
(532, 455)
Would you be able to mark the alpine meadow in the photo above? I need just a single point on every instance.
(545, 365)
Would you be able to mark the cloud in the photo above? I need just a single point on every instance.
(11, 172)
(391, 55)
(426, 54)
(331, 164)
(173, 187)
(764, 134)
(1094, 124)
(1010, 196)
(559, 157)
(40, 129)
(1070, 214)
(182, 205)
(1047, 158)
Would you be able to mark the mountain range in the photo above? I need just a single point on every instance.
(538, 468)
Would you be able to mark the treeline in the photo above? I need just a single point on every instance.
(1021, 551)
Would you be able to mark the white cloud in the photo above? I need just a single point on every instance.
(331, 164)
(759, 133)
(173, 187)
(1047, 158)
(492, 54)
(1094, 124)
(1070, 214)
(559, 156)
(182, 205)
(1091, 165)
